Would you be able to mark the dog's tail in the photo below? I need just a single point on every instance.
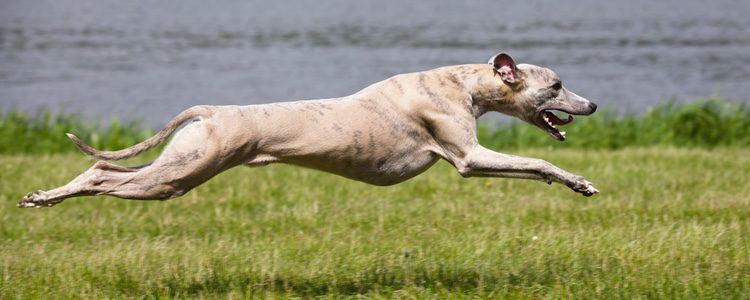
(158, 138)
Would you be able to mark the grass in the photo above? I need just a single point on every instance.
(708, 123)
(669, 223)
(44, 133)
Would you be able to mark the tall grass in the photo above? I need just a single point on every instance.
(706, 123)
(45, 133)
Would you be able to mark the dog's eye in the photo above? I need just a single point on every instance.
(556, 86)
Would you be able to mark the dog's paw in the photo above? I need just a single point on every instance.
(37, 200)
(585, 187)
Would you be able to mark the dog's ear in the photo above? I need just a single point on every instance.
(505, 67)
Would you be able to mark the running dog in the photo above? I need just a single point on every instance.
(384, 134)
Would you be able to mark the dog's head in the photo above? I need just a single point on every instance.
(535, 92)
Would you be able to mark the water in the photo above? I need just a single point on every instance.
(148, 60)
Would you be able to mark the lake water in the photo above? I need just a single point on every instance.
(148, 60)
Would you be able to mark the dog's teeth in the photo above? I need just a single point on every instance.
(546, 119)
(562, 133)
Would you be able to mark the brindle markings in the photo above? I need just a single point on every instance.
(380, 163)
(371, 143)
(458, 119)
(440, 81)
(497, 96)
(356, 135)
(382, 113)
(547, 94)
(452, 78)
(544, 74)
(210, 133)
(313, 107)
(325, 105)
(439, 103)
(185, 158)
(336, 127)
(466, 70)
(385, 96)
(371, 107)
(508, 95)
(312, 117)
(396, 128)
(394, 80)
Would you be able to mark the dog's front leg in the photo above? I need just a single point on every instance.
(483, 162)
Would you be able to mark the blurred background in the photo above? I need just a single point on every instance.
(149, 60)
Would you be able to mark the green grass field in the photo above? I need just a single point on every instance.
(669, 223)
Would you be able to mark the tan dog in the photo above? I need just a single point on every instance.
(387, 133)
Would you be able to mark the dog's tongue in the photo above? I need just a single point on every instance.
(557, 121)
(566, 121)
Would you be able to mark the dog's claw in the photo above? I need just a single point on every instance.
(586, 188)
(36, 200)
(31, 199)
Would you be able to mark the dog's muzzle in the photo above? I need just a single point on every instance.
(547, 120)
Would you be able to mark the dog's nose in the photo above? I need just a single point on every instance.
(593, 107)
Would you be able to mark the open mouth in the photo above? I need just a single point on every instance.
(547, 120)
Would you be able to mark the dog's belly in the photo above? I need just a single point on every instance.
(382, 171)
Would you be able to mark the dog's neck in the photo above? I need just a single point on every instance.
(488, 92)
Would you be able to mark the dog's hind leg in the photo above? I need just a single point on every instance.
(93, 181)
(185, 163)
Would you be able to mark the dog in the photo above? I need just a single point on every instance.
(384, 134)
